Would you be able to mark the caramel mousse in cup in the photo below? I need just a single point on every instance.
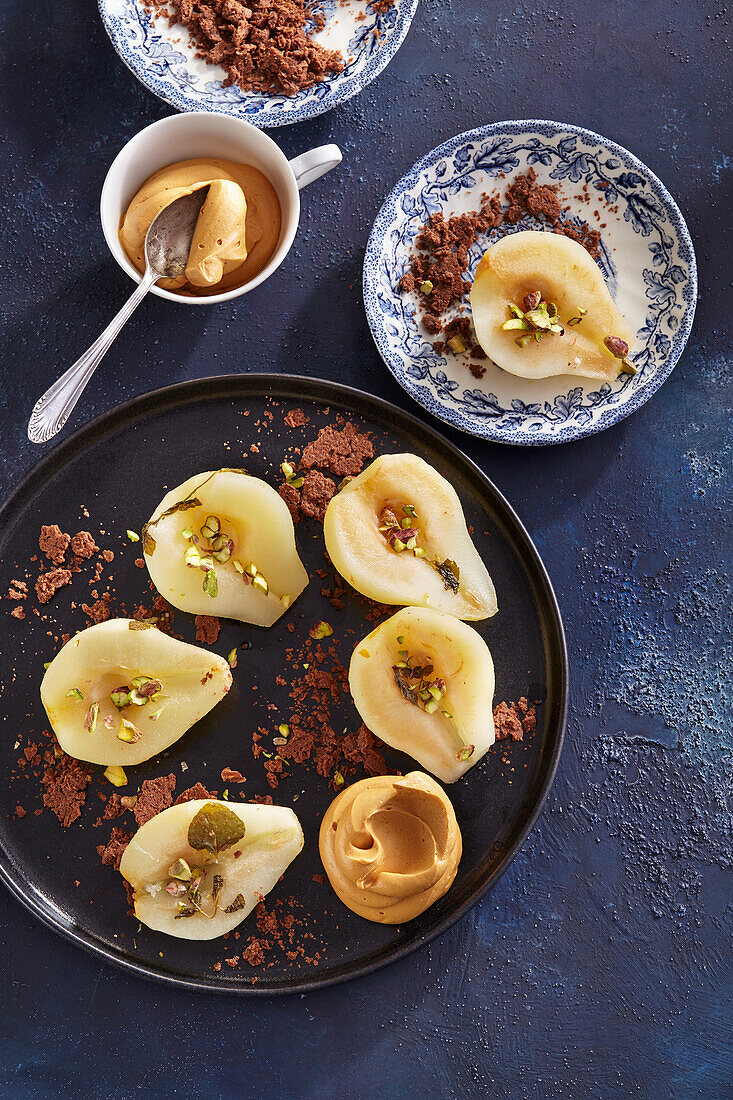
(237, 231)
(391, 846)
(250, 211)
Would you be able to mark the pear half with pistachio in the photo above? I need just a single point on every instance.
(122, 691)
(424, 683)
(398, 535)
(223, 543)
(200, 868)
(572, 325)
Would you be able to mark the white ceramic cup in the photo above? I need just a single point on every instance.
(205, 134)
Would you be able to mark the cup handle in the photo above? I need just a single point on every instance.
(314, 163)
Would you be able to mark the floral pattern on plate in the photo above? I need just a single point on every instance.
(162, 60)
(646, 256)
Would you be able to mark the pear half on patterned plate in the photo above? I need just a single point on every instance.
(541, 307)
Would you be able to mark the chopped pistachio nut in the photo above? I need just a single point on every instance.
(232, 657)
(133, 536)
(211, 527)
(188, 533)
(457, 345)
(288, 470)
(236, 905)
(344, 482)
(284, 729)
(74, 693)
(581, 314)
(239, 568)
(426, 287)
(537, 319)
(116, 775)
(210, 585)
(417, 684)
(259, 582)
(192, 557)
(90, 718)
(465, 753)
(181, 870)
(338, 779)
(120, 697)
(619, 349)
(321, 630)
(128, 732)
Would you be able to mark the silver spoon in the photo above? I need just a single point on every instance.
(167, 244)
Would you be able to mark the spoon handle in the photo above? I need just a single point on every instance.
(51, 411)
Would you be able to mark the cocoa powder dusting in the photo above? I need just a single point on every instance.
(315, 494)
(83, 545)
(111, 853)
(49, 583)
(192, 793)
(53, 542)
(291, 496)
(296, 418)
(64, 781)
(513, 720)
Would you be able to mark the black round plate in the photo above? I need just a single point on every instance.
(116, 468)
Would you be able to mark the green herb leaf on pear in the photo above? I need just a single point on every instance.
(449, 573)
(235, 905)
(214, 829)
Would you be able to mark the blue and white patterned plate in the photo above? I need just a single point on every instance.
(647, 259)
(162, 60)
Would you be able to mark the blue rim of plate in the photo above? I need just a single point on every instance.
(487, 428)
(259, 110)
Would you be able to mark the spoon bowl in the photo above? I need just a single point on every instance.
(168, 240)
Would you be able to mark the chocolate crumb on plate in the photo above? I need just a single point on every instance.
(155, 795)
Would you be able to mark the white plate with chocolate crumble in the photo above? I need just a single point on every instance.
(528, 176)
(331, 53)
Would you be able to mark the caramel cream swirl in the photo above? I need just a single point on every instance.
(391, 846)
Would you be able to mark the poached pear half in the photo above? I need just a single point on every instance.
(398, 535)
(198, 869)
(122, 691)
(223, 543)
(564, 274)
(423, 682)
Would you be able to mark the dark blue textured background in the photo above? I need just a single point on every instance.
(600, 966)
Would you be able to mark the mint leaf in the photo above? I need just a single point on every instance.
(214, 829)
